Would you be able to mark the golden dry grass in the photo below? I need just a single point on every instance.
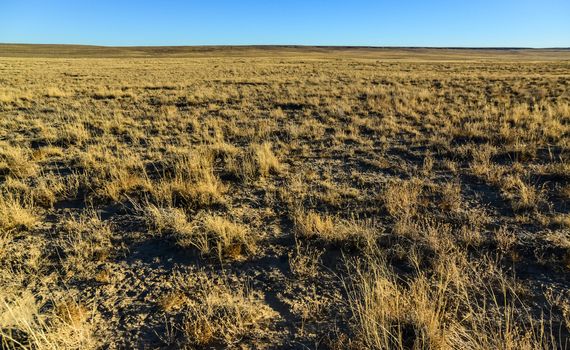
(284, 198)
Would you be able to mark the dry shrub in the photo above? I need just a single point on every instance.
(211, 234)
(172, 301)
(223, 150)
(481, 164)
(205, 192)
(43, 191)
(565, 192)
(505, 239)
(168, 112)
(110, 174)
(105, 92)
(336, 195)
(72, 133)
(437, 235)
(561, 169)
(8, 95)
(277, 113)
(49, 189)
(54, 91)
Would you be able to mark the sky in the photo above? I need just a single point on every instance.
(443, 23)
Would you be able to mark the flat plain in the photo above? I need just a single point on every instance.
(284, 197)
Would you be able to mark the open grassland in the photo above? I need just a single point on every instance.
(284, 198)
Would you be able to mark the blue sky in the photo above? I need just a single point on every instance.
(478, 23)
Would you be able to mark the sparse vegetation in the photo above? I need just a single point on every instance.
(285, 198)
(16, 215)
(224, 315)
(216, 234)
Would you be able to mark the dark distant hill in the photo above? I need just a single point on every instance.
(422, 53)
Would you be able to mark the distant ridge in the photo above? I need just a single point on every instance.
(378, 52)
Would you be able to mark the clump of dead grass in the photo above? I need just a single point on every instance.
(425, 311)
(17, 214)
(194, 182)
(402, 202)
(226, 314)
(167, 220)
(216, 312)
(27, 322)
(349, 232)
(17, 162)
(259, 161)
(217, 235)
(209, 233)
(523, 196)
(86, 242)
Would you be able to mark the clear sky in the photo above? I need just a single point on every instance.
(528, 23)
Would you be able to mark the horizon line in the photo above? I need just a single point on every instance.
(301, 46)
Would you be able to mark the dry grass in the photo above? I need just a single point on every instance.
(441, 311)
(23, 325)
(209, 233)
(266, 160)
(348, 232)
(284, 198)
(167, 220)
(221, 314)
(17, 162)
(214, 234)
(16, 214)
